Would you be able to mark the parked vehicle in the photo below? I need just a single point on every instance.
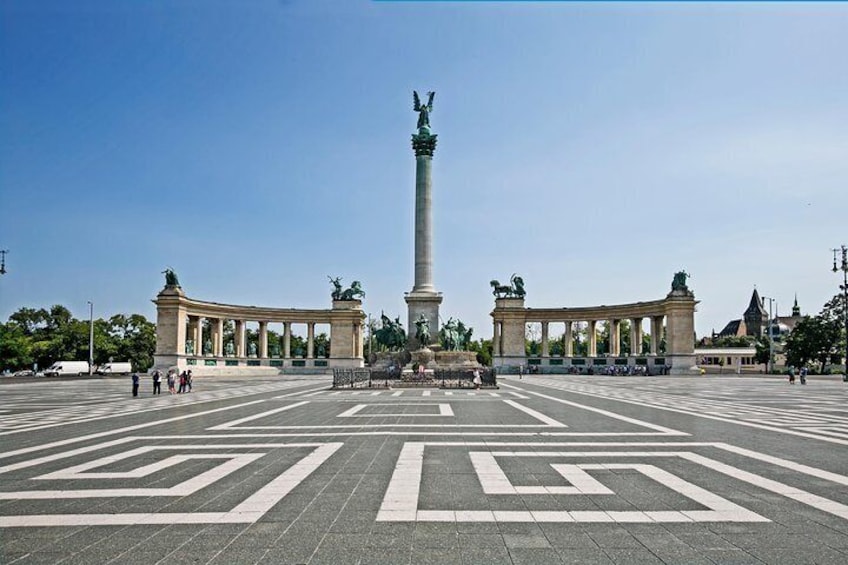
(66, 368)
(118, 368)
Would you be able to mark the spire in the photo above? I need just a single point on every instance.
(756, 304)
(796, 311)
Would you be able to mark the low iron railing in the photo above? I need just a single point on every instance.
(444, 378)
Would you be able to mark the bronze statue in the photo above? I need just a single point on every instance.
(170, 277)
(229, 350)
(422, 330)
(423, 109)
(679, 281)
(353, 293)
(189, 347)
(517, 286)
(391, 336)
(337, 287)
(207, 347)
(514, 289)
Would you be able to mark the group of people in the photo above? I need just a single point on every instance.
(802, 374)
(172, 378)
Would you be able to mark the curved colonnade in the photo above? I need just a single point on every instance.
(182, 343)
(675, 313)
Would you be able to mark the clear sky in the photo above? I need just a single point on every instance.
(258, 146)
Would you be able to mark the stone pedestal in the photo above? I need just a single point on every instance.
(426, 303)
(170, 327)
(512, 351)
(680, 333)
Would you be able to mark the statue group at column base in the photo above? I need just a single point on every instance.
(432, 358)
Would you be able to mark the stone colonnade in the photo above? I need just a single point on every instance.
(677, 310)
(180, 339)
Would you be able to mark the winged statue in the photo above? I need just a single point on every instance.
(423, 109)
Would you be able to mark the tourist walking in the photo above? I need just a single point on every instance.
(171, 380)
(135, 384)
(477, 380)
(157, 382)
(182, 383)
(188, 380)
(802, 374)
(791, 375)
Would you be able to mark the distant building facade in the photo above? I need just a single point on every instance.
(755, 321)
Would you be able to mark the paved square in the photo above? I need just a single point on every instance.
(546, 469)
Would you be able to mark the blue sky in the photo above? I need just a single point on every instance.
(258, 146)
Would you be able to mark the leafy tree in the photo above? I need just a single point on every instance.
(483, 348)
(734, 341)
(15, 347)
(812, 339)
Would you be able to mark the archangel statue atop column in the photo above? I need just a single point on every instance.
(423, 109)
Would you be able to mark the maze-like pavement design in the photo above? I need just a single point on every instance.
(545, 469)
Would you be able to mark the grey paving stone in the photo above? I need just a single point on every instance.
(534, 556)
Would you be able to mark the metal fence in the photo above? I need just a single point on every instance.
(464, 378)
(351, 378)
(443, 378)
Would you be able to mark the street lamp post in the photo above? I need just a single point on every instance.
(770, 341)
(90, 337)
(844, 288)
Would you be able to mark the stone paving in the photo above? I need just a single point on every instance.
(545, 469)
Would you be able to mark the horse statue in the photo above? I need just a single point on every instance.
(337, 287)
(500, 290)
(422, 331)
(391, 335)
(170, 277)
(517, 284)
(353, 293)
(679, 281)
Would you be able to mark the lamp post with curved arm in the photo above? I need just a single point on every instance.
(844, 287)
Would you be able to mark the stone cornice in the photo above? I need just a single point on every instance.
(205, 309)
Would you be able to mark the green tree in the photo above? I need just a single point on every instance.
(762, 351)
(134, 339)
(812, 339)
(483, 348)
(15, 347)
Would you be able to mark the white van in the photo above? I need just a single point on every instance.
(119, 368)
(66, 368)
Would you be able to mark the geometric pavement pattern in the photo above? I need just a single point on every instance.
(545, 469)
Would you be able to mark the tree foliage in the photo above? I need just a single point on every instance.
(40, 337)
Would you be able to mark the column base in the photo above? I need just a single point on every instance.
(419, 303)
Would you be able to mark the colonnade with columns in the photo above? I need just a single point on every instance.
(181, 341)
(673, 314)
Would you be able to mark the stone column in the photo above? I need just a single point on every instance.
(545, 339)
(496, 339)
(218, 337)
(593, 339)
(240, 345)
(423, 299)
(263, 340)
(310, 340)
(636, 337)
(568, 340)
(286, 340)
(191, 330)
(615, 338)
(656, 334)
(197, 336)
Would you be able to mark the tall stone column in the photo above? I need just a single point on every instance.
(615, 338)
(241, 348)
(636, 336)
(310, 340)
(545, 349)
(423, 299)
(263, 340)
(568, 340)
(218, 337)
(593, 339)
(656, 334)
(286, 340)
(496, 339)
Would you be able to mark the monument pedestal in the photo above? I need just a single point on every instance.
(426, 304)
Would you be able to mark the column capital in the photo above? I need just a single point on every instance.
(424, 144)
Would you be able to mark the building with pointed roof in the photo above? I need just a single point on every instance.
(755, 321)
